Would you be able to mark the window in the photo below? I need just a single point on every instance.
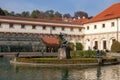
(87, 27)
(112, 24)
(33, 27)
(0, 25)
(63, 28)
(71, 29)
(79, 29)
(22, 26)
(95, 26)
(53, 27)
(44, 27)
(103, 25)
(104, 44)
(96, 45)
(11, 26)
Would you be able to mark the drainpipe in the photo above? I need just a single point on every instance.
(117, 29)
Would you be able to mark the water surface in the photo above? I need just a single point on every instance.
(15, 72)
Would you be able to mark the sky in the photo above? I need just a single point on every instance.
(92, 7)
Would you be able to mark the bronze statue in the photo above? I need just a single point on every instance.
(64, 44)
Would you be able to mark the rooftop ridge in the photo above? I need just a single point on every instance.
(109, 13)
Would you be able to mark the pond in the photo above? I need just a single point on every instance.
(14, 72)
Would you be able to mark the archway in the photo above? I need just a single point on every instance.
(103, 44)
(95, 44)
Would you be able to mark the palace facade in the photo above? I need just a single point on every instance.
(98, 32)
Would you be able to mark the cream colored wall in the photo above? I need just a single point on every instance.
(108, 27)
(101, 34)
(28, 28)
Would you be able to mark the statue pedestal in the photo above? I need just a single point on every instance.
(62, 53)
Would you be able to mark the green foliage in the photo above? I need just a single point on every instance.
(71, 45)
(2, 12)
(35, 13)
(80, 14)
(85, 54)
(115, 46)
(67, 15)
(57, 61)
(79, 46)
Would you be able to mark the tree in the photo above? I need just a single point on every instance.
(12, 13)
(42, 15)
(35, 14)
(67, 15)
(25, 14)
(6, 12)
(49, 14)
(2, 12)
(79, 46)
(115, 46)
(57, 15)
(80, 14)
(18, 15)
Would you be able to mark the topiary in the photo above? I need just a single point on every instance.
(79, 46)
(71, 45)
(115, 46)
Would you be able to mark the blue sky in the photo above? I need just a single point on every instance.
(92, 7)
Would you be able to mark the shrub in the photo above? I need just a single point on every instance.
(71, 45)
(85, 54)
(115, 46)
(79, 46)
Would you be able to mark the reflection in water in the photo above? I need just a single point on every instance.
(15, 72)
(65, 75)
(98, 73)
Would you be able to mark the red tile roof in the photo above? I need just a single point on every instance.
(43, 22)
(50, 41)
(81, 21)
(109, 13)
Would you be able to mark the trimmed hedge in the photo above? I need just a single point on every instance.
(64, 61)
(85, 54)
(58, 61)
(115, 46)
(71, 45)
(79, 46)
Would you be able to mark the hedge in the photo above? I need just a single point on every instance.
(85, 54)
(115, 46)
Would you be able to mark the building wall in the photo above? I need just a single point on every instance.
(100, 34)
(15, 26)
